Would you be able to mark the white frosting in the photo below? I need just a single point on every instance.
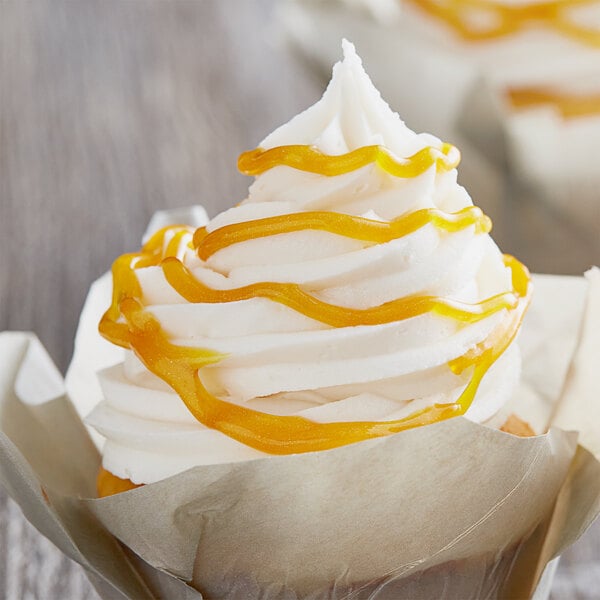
(282, 362)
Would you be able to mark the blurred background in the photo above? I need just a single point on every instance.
(113, 109)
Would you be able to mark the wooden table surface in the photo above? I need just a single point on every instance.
(110, 110)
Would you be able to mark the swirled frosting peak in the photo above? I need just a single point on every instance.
(353, 294)
(351, 114)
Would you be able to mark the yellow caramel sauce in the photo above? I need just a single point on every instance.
(358, 228)
(569, 105)
(125, 282)
(128, 324)
(506, 20)
(292, 295)
(312, 160)
(109, 484)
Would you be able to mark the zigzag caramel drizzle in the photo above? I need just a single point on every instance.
(507, 20)
(128, 324)
(310, 159)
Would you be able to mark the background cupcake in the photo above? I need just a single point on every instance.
(467, 59)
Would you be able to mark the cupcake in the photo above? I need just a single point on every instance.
(354, 294)
(313, 388)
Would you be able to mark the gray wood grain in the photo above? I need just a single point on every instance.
(110, 110)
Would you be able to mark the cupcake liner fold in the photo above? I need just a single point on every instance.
(450, 510)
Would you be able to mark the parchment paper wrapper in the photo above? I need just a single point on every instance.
(453, 510)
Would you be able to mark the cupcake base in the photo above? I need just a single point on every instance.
(483, 576)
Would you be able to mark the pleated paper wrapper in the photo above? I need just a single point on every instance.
(451, 510)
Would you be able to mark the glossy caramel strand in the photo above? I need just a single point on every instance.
(126, 284)
(521, 284)
(507, 20)
(275, 434)
(292, 295)
(350, 226)
(179, 366)
(312, 160)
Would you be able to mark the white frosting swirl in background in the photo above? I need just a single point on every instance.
(282, 362)
(536, 52)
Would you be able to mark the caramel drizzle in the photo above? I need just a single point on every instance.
(128, 324)
(312, 160)
(268, 433)
(126, 284)
(179, 367)
(292, 295)
(570, 106)
(358, 228)
(510, 19)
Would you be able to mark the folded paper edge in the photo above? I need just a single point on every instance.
(23, 485)
(575, 408)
